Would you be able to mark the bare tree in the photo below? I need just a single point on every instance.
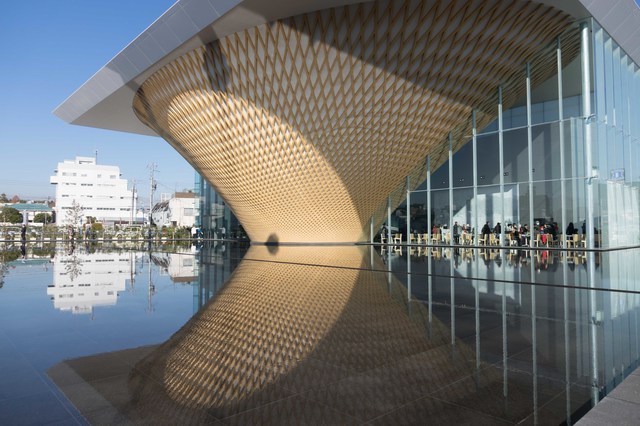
(75, 214)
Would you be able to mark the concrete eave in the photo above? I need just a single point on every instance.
(105, 100)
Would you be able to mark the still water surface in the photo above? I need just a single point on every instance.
(312, 334)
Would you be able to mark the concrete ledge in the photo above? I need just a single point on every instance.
(620, 407)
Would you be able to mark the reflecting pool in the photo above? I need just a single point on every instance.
(307, 334)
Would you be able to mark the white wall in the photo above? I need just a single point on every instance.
(97, 188)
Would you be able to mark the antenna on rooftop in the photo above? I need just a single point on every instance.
(96, 156)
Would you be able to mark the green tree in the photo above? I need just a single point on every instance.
(11, 215)
(3, 198)
(42, 218)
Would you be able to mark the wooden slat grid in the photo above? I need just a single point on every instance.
(305, 125)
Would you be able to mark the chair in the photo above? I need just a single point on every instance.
(411, 239)
(538, 240)
(550, 240)
(446, 238)
(576, 240)
(435, 238)
(482, 239)
(425, 239)
(397, 238)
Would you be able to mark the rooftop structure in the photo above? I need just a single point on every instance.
(312, 120)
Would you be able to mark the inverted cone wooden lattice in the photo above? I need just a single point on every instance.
(305, 125)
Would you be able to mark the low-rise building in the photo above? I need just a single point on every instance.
(177, 210)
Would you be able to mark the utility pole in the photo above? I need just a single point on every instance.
(152, 187)
(133, 199)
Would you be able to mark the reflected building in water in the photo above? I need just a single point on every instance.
(327, 335)
(83, 281)
(180, 267)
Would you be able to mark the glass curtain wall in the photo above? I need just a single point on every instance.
(616, 128)
(528, 165)
(214, 214)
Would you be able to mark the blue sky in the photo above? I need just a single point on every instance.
(49, 49)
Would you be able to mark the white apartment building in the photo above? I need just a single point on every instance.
(177, 210)
(97, 188)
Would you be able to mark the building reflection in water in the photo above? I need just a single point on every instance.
(84, 280)
(179, 267)
(340, 334)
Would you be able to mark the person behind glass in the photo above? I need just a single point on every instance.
(497, 229)
(456, 233)
(23, 233)
(571, 230)
(486, 231)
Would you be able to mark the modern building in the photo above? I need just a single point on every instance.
(178, 210)
(97, 190)
(314, 120)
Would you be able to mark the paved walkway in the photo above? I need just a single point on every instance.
(620, 407)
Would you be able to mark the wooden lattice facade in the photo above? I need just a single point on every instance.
(307, 124)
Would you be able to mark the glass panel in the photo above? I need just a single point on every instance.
(598, 58)
(522, 197)
(635, 165)
(544, 83)
(489, 205)
(463, 206)
(571, 74)
(575, 203)
(488, 159)
(609, 84)
(601, 213)
(514, 101)
(463, 166)
(515, 156)
(546, 151)
(617, 87)
(626, 159)
(491, 127)
(440, 207)
(440, 177)
(512, 199)
(615, 152)
(515, 117)
(574, 148)
(547, 206)
(419, 212)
